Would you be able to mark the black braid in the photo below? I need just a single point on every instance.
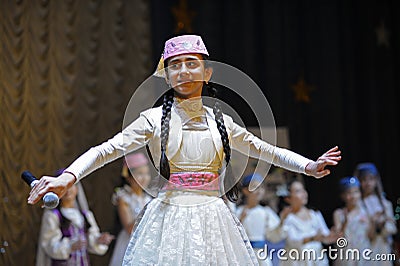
(233, 192)
(165, 119)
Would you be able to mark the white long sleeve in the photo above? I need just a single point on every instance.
(51, 238)
(131, 138)
(93, 234)
(246, 143)
(147, 129)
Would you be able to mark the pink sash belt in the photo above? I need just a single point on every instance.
(199, 181)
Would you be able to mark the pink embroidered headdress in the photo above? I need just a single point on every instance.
(184, 44)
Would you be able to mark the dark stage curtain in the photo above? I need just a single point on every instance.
(67, 71)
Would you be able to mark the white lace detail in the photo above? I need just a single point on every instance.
(201, 231)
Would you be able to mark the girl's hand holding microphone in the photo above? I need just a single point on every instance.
(58, 185)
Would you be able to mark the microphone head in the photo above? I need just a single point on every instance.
(50, 200)
(28, 177)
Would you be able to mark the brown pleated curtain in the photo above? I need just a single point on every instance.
(67, 71)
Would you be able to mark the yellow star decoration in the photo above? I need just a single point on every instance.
(183, 17)
(302, 90)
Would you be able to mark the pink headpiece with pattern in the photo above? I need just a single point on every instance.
(184, 44)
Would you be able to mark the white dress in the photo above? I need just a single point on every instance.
(297, 229)
(382, 244)
(52, 244)
(187, 227)
(261, 224)
(355, 232)
(135, 204)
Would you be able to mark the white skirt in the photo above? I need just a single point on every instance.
(188, 228)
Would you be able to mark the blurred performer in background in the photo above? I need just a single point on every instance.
(353, 222)
(261, 223)
(69, 232)
(130, 200)
(379, 209)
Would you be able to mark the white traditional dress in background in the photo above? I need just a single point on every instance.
(356, 226)
(55, 243)
(297, 229)
(136, 204)
(382, 244)
(188, 224)
(261, 224)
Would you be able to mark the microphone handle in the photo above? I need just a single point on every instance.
(34, 182)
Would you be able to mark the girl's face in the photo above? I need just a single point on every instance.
(368, 183)
(351, 196)
(186, 74)
(141, 176)
(255, 195)
(298, 195)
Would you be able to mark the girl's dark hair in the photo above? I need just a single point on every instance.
(229, 180)
(165, 119)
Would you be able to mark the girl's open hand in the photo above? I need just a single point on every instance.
(105, 238)
(317, 168)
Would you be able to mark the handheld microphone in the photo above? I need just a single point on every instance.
(50, 199)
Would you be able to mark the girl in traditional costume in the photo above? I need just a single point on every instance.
(188, 223)
(69, 232)
(379, 209)
(305, 228)
(130, 200)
